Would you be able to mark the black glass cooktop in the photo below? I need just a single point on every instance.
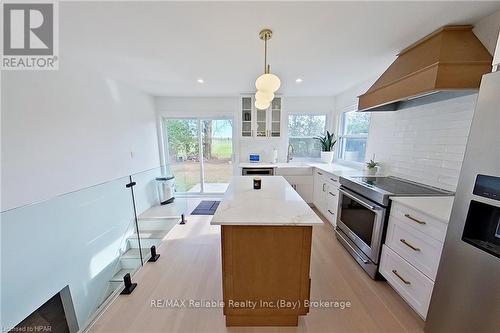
(398, 186)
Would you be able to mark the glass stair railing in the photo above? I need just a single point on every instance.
(85, 242)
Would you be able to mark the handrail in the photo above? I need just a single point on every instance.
(80, 189)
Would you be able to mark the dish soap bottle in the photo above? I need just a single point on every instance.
(275, 155)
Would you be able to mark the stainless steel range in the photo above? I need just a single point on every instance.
(363, 212)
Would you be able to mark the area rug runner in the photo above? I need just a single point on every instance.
(206, 208)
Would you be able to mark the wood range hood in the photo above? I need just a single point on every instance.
(445, 64)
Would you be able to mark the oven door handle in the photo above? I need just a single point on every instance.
(359, 200)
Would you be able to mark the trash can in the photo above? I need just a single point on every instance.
(165, 187)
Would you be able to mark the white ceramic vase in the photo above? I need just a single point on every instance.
(372, 171)
(327, 156)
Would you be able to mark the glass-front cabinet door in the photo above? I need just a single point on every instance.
(276, 117)
(260, 123)
(246, 116)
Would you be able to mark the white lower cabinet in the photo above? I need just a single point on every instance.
(303, 185)
(411, 254)
(417, 248)
(332, 199)
(408, 281)
(325, 195)
(318, 190)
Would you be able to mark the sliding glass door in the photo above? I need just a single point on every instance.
(200, 153)
(183, 146)
(217, 144)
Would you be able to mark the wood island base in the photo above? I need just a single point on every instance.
(265, 273)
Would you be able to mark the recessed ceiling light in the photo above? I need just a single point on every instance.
(299, 80)
(200, 81)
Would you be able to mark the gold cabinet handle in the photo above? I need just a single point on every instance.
(414, 219)
(395, 272)
(409, 245)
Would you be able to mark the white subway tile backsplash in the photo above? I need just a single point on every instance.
(424, 143)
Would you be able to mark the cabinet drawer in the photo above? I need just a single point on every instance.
(332, 180)
(331, 217)
(420, 221)
(419, 249)
(412, 285)
(332, 197)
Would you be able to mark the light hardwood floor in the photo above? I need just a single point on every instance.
(190, 268)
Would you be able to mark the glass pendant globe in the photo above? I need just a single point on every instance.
(268, 82)
(262, 105)
(264, 96)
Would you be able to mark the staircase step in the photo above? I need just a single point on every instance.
(118, 277)
(133, 253)
(158, 223)
(110, 289)
(172, 210)
(148, 238)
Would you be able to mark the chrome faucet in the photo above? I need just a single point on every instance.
(289, 155)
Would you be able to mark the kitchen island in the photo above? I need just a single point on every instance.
(266, 251)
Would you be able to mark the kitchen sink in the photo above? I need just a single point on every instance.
(293, 169)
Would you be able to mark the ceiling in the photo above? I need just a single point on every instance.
(163, 47)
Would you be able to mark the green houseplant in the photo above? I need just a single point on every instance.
(372, 165)
(327, 144)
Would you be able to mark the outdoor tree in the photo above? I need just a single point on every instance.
(207, 139)
(182, 140)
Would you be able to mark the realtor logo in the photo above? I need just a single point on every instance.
(30, 33)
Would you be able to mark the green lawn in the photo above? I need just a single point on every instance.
(222, 148)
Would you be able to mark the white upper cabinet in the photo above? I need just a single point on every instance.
(496, 58)
(275, 117)
(246, 116)
(260, 123)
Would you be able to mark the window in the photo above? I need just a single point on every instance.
(353, 135)
(302, 128)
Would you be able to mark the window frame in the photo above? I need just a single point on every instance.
(299, 113)
(341, 136)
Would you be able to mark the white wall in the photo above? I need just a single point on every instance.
(487, 30)
(231, 107)
(425, 143)
(68, 129)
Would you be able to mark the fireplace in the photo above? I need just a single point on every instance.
(55, 315)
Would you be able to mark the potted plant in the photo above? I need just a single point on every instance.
(372, 166)
(327, 143)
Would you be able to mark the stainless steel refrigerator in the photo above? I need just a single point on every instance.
(466, 296)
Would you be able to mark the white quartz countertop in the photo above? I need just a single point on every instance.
(339, 169)
(276, 203)
(334, 169)
(437, 207)
(258, 165)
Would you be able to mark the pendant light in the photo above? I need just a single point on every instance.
(267, 84)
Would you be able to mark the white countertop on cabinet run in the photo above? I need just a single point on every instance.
(275, 204)
(334, 169)
(437, 207)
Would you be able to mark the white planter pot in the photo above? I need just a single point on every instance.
(372, 171)
(327, 156)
